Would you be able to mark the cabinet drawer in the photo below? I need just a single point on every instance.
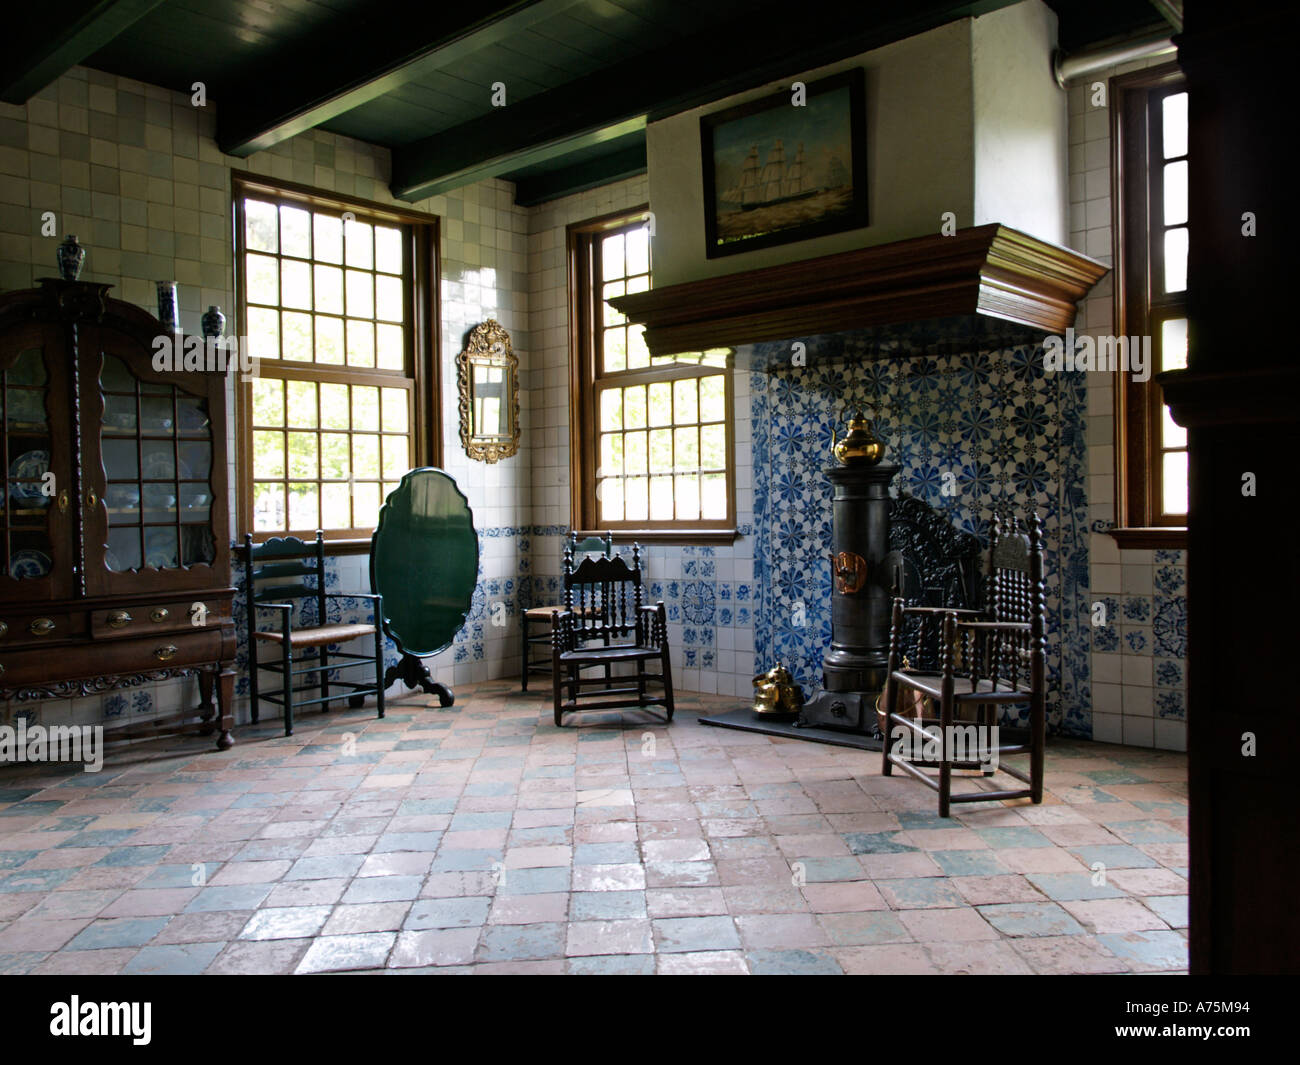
(185, 615)
(39, 666)
(28, 627)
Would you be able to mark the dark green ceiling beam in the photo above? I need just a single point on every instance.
(354, 63)
(771, 43)
(51, 38)
(589, 174)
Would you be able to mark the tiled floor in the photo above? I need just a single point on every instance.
(482, 839)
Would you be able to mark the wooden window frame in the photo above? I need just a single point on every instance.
(1139, 311)
(423, 347)
(584, 352)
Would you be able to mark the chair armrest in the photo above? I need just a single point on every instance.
(995, 626)
(931, 610)
(372, 596)
(286, 615)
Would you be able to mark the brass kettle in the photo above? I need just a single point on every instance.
(775, 692)
(859, 446)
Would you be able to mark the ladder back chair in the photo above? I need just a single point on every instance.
(604, 623)
(602, 544)
(276, 577)
(983, 660)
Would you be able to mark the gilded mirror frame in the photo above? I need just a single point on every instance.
(488, 345)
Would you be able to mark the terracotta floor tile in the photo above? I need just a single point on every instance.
(946, 926)
(1114, 915)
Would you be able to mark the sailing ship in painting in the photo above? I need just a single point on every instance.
(772, 184)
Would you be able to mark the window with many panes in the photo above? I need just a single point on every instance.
(332, 303)
(1151, 237)
(651, 439)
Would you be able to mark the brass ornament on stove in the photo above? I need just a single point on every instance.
(859, 446)
(850, 571)
(776, 693)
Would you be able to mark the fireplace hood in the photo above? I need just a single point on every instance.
(986, 281)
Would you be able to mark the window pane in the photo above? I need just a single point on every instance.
(634, 500)
(611, 408)
(637, 244)
(1174, 122)
(329, 340)
(262, 277)
(260, 228)
(661, 499)
(614, 344)
(634, 407)
(365, 408)
(1171, 433)
(688, 498)
(1176, 260)
(268, 454)
(388, 249)
(329, 289)
(609, 497)
(1174, 482)
(335, 456)
(1173, 344)
(297, 336)
(263, 333)
(361, 294)
(661, 451)
(358, 240)
(612, 316)
(396, 461)
(361, 343)
(392, 351)
(336, 506)
(328, 231)
(713, 399)
(713, 497)
(302, 404)
(635, 453)
(302, 455)
(1175, 193)
(334, 406)
(713, 447)
(611, 455)
(636, 349)
(295, 231)
(268, 401)
(611, 257)
(268, 507)
(686, 448)
(365, 455)
(365, 505)
(388, 298)
(394, 410)
(661, 403)
(685, 407)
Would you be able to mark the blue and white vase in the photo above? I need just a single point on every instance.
(169, 312)
(213, 322)
(71, 257)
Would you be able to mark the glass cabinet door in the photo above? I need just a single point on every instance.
(36, 537)
(155, 451)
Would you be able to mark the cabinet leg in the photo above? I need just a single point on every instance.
(226, 707)
(207, 711)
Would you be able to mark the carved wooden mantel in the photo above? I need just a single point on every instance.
(989, 271)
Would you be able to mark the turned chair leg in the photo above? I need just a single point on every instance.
(254, 711)
(379, 668)
(1037, 745)
(286, 659)
(945, 754)
(523, 628)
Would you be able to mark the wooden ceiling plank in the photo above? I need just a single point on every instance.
(704, 68)
(56, 37)
(365, 68)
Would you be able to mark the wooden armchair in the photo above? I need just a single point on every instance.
(983, 660)
(602, 543)
(605, 624)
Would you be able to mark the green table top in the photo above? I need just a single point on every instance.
(424, 561)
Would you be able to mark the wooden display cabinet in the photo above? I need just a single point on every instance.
(114, 523)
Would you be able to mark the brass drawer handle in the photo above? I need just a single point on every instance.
(164, 653)
(63, 501)
(161, 614)
(119, 619)
(41, 627)
(91, 498)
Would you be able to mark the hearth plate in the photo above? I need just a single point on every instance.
(746, 720)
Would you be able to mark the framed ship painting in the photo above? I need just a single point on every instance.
(776, 171)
